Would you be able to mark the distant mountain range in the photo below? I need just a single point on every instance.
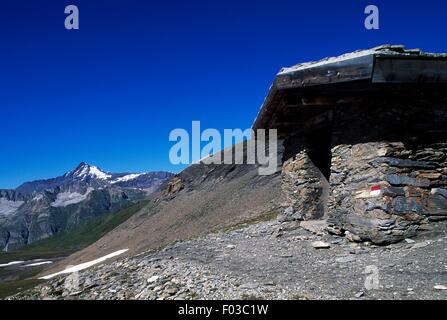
(38, 209)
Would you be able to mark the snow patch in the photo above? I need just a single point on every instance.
(11, 263)
(38, 197)
(85, 265)
(38, 264)
(94, 171)
(90, 171)
(67, 198)
(128, 177)
(8, 207)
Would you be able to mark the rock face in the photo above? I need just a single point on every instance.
(174, 185)
(39, 209)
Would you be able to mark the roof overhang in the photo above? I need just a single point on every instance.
(361, 69)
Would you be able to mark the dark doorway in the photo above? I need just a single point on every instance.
(316, 138)
(319, 144)
(319, 151)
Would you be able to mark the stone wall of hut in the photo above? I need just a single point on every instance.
(388, 171)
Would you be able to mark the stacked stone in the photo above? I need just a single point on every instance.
(361, 198)
(384, 192)
(302, 189)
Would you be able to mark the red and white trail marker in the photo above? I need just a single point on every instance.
(374, 191)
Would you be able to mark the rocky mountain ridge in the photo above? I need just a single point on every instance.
(95, 177)
(38, 209)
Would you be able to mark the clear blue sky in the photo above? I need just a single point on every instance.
(110, 93)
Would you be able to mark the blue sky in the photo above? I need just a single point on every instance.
(110, 93)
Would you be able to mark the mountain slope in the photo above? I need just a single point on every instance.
(39, 209)
(200, 199)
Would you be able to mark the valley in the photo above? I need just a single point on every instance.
(15, 277)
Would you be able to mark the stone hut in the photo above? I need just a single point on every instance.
(365, 141)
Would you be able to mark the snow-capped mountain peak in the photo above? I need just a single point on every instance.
(86, 175)
(73, 198)
(84, 171)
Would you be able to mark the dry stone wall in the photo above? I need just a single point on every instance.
(303, 189)
(388, 170)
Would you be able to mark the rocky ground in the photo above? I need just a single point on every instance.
(266, 260)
